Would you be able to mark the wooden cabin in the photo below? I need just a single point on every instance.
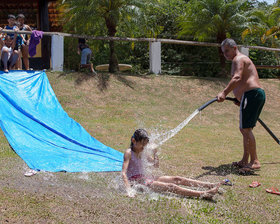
(39, 14)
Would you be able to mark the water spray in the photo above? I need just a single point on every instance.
(166, 136)
(236, 101)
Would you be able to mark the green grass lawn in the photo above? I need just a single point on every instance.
(110, 108)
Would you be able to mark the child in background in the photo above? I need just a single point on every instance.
(11, 25)
(133, 171)
(86, 53)
(23, 42)
(9, 56)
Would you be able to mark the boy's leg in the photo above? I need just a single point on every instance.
(13, 59)
(24, 49)
(173, 188)
(19, 62)
(4, 58)
(90, 66)
(186, 181)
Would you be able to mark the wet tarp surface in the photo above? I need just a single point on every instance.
(41, 132)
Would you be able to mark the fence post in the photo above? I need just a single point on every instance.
(155, 57)
(57, 53)
(244, 50)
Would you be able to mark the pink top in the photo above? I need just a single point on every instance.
(135, 167)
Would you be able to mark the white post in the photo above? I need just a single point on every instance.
(244, 50)
(57, 53)
(155, 57)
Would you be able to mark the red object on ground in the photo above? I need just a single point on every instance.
(255, 184)
(272, 190)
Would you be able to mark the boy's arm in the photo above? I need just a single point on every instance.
(27, 28)
(1, 36)
(78, 50)
(15, 38)
(127, 156)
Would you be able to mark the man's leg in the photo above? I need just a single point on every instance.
(249, 145)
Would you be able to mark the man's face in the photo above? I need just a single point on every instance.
(229, 52)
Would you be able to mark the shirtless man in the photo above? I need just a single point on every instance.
(247, 90)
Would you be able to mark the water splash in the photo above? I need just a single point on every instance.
(157, 141)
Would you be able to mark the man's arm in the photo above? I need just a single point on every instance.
(236, 71)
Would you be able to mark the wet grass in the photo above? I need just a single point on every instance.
(110, 108)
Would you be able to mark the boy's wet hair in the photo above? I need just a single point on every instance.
(20, 16)
(139, 135)
(82, 40)
(11, 16)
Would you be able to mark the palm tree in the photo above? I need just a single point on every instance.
(95, 16)
(208, 19)
(264, 22)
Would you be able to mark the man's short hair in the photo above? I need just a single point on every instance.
(229, 42)
(20, 16)
(10, 16)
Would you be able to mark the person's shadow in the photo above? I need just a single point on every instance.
(224, 170)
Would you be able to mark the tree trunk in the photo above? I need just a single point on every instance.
(223, 73)
(113, 61)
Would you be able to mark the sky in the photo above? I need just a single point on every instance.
(270, 1)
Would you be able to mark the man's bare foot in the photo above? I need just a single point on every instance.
(254, 165)
(239, 164)
(6, 70)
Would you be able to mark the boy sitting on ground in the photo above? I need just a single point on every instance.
(9, 56)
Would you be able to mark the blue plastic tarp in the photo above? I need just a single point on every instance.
(42, 133)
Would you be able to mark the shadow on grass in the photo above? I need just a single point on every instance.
(224, 170)
(103, 78)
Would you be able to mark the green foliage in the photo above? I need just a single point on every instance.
(206, 19)
(263, 29)
(92, 16)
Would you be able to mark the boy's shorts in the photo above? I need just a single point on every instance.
(250, 107)
(85, 56)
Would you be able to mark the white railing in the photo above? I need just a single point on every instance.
(57, 47)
